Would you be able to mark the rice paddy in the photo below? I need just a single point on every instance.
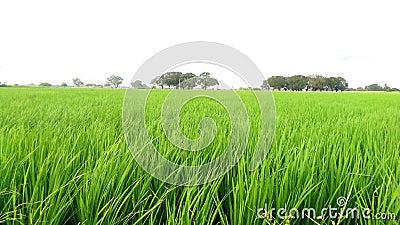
(64, 160)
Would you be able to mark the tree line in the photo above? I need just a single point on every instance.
(313, 82)
(112, 81)
(376, 87)
(176, 80)
(181, 80)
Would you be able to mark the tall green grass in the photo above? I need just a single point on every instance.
(64, 160)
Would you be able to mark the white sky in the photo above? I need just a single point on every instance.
(54, 41)
(226, 78)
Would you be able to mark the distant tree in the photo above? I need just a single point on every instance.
(386, 88)
(205, 80)
(330, 83)
(277, 82)
(341, 84)
(360, 89)
(297, 82)
(77, 82)
(172, 79)
(91, 85)
(189, 83)
(138, 84)
(317, 82)
(63, 84)
(159, 81)
(265, 85)
(394, 89)
(336, 84)
(374, 87)
(183, 80)
(114, 80)
(186, 76)
(45, 84)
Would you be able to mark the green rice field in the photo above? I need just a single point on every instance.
(64, 159)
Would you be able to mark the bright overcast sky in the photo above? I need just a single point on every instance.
(54, 41)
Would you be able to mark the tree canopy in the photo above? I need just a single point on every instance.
(374, 87)
(45, 84)
(317, 82)
(181, 80)
(313, 82)
(138, 84)
(277, 82)
(205, 80)
(77, 82)
(297, 82)
(114, 80)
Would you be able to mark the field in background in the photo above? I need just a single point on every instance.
(63, 159)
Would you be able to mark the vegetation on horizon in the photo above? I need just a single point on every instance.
(313, 82)
(181, 80)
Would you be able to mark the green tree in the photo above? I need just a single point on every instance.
(374, 87)
(172, 79)
(341, 84)
(317, 82)
(297, 82)
(360, 89)
(394, 89)
(205, 80)
(45, 84)
(330, 83)
(189, 83)
(91, 85)
(114, 80)
(277, 82)
(138, 84)
(386, 88)
(265, 85)
(336, 84)
(77, 82)
(63, 84)
(159, 81)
